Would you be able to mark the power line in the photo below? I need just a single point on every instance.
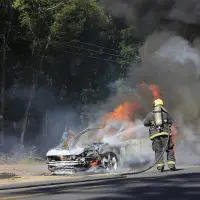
(94, 57)
(95, 45)
(63, 2)
(100, 52)
(56, 6)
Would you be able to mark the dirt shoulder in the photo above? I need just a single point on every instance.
(11, 174)
(18, 173)
(21, 169)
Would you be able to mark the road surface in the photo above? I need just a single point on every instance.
(183, 184)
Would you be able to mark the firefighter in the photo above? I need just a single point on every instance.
(159, 122)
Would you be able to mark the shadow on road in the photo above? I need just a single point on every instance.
(8, 175)
(173, 186)
(179, 169)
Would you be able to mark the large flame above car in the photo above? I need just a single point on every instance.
(122, 120)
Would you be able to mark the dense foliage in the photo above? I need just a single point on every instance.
(58, 53)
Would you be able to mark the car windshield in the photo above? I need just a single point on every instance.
(105, 134)
(84, 139)
(92, 136)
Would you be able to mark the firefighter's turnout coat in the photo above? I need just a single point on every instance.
(149, 121)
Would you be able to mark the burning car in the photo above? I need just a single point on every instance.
(82, 159)
(83, 154)
(125, 141)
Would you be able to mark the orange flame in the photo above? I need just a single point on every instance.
(124, 111)
(154, 89)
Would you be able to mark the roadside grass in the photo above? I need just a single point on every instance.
(30, 161)
(24, 160)
(22, 156)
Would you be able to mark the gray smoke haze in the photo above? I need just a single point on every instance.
(149, 15)
(170, 59)
(149, 10)
(172, 63)
(186, 11)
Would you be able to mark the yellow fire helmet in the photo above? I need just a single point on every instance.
(158, 102)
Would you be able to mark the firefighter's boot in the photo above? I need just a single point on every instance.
(160, 167)
(171, 165)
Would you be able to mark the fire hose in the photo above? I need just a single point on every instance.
(155, 162)
(76, 137)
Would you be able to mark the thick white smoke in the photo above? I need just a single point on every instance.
(172, 63)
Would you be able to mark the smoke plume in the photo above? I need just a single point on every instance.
(170, 59)
(149, 15)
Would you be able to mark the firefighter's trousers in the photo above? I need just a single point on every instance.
(159, 144)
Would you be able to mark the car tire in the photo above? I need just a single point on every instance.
(51, 168)
(110, 161)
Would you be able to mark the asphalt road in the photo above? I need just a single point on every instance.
(182, 184)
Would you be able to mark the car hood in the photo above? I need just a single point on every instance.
(61, 152)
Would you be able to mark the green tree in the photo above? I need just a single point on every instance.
(40, 28)
(129, 45)
(73, 48)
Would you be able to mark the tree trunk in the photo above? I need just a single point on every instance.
(36, 76)
(2, 89)
(24, 125)
(46, 125)
(4, 46)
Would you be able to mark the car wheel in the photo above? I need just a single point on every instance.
(110, 161)
(51, 168)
